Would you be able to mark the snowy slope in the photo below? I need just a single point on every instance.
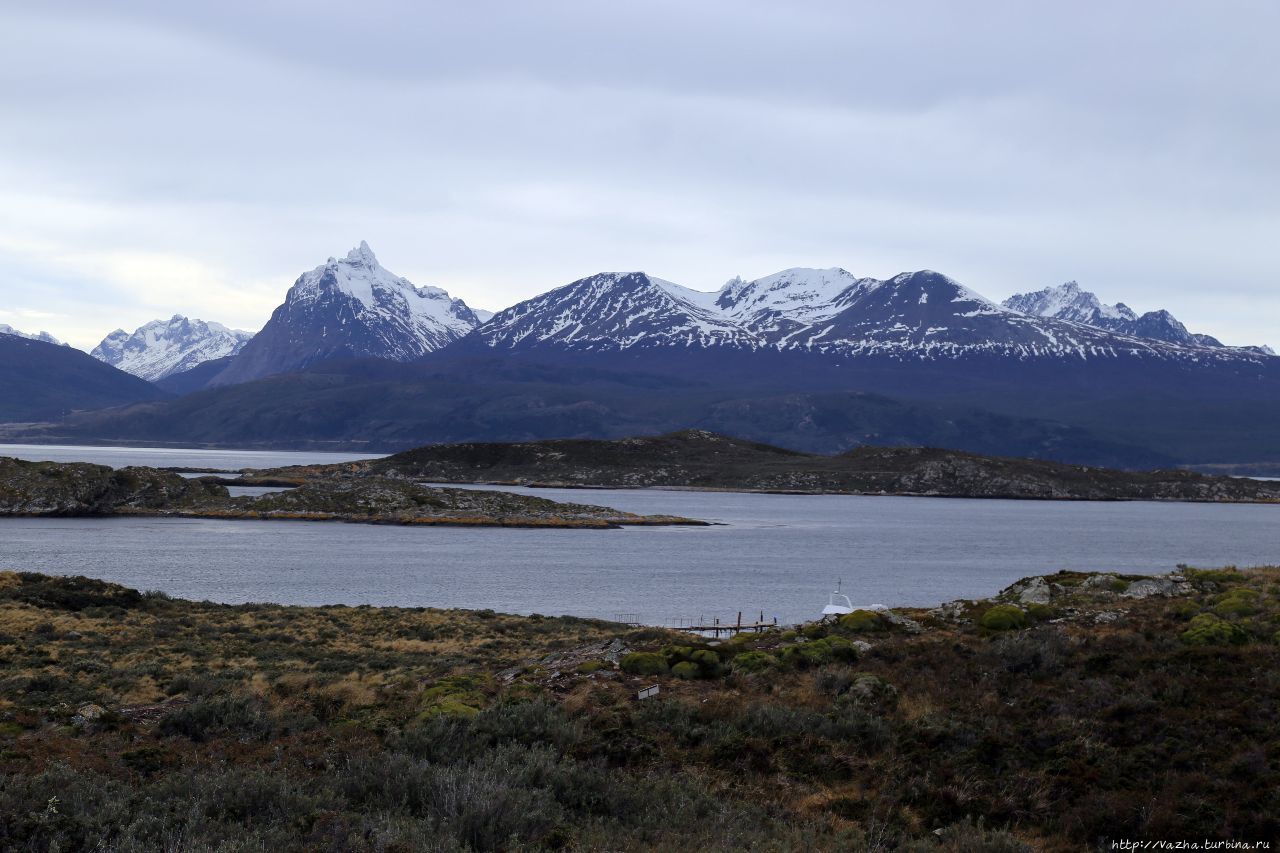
(164, 347)
(6, 329)
(351, 307)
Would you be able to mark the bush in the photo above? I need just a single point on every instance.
(863, 621)
(754, 662)
(1003, 617)
(686, 669)
(819, 652)
(645, 663)
(1209, 630)
(675, 654)
(1040, 612)
(219, 715)
(1240, 601)
(871, 692)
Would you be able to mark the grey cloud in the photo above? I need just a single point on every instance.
(498, 149)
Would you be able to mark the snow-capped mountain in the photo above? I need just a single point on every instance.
(164, 347)
(6, 329)
(778, 305)
(351, 307)
(612, 311)
(916, 315)
(1069, 302)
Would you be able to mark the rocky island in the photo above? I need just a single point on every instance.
(82, 489)
(696, 459)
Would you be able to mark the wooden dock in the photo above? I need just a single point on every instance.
(702, 625)
(715, 626)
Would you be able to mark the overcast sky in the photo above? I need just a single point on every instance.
(195, 158)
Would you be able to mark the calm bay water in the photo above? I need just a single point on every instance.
(175, 457)
(776, 553)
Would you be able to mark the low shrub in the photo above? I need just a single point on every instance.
(1004, 617)
(1210, 630)
(645, 663)
(754, 662)
(819, 652)
(686, 669)
(870, 692)
(1240, 601)
(862, 622)
(218, 715)
(1040, 612)
(675, 654)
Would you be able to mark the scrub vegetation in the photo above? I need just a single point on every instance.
(1087, 708)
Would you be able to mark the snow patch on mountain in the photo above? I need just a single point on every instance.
(165, 347)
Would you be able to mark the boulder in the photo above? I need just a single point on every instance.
(1036, 591)
(1162, 586)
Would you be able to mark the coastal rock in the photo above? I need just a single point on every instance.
(897, 620)
(1037, 591)
(1104, 582)
(952, 611)
(1162, 586)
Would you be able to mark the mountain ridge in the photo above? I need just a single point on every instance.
(162, 348)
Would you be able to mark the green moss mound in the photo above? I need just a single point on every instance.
(686, 669)
(1240, 601)
(645, 663)
(1004, 617)
(754, 662)
(862, 622)
(1210, 630)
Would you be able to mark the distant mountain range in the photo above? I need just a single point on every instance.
(919, 316)
(6, 329)
(814, 359)
(164, 347)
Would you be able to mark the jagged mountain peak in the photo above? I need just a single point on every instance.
(161, 348)
(1070, 302)
(362, 254)
(351, 307)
